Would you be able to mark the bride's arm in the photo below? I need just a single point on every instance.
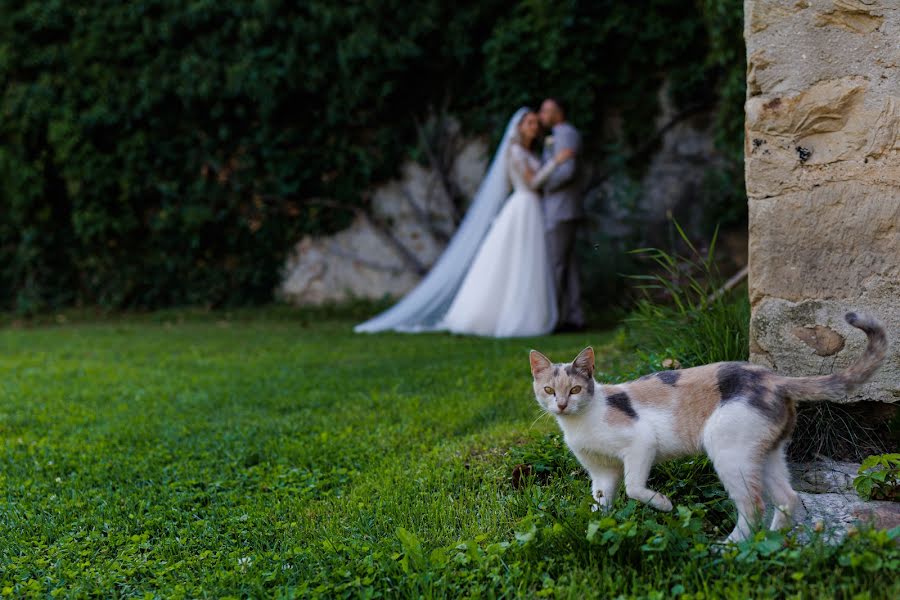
(538, 179)
(534, 180)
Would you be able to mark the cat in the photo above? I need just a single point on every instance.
(740, 414)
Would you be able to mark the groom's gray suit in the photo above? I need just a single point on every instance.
(562, 211)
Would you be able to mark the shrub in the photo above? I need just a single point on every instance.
(879, 477)
(155, 153)
(164, 153)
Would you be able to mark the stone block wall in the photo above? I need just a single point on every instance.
(823, 182)
(358, 262)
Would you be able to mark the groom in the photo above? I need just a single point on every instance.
(562, 211)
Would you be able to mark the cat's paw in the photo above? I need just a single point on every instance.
(601, 502)
(662, 503)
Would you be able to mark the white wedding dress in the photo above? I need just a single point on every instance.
(493, 278)
(508, 291)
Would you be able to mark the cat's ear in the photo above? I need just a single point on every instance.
(584, 362)
(539, 363)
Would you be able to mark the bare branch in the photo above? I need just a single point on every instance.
(336, 250)
(733, 281)
(647, 146)
(424, 220)
(443, 170)
(380, 228)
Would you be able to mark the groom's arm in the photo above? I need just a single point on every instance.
(566, 138)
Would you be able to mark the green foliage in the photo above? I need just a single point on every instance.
(547, 456)
(597, 56)
(879, 477)
(724, 195)
(182, 455)
(164, 153)
(684, 316)
(160, 153)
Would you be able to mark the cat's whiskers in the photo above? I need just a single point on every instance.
(543, 414)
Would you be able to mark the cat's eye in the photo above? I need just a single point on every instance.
(549, 390)
(575, 390)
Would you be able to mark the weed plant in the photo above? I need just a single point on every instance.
(684, 315)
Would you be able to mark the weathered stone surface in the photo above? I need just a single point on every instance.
(757, 77)
(762, 13)
(823, 182)
(856, 15)
(836, 513)
(360, 262)
(824, 476)
(831, 242)
(830, 505)
(676, 173)
(823, 340)
(828, 514)
(883, 515)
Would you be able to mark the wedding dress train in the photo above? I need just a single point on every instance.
(509, 289)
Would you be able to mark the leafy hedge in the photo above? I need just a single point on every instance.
(160, 152)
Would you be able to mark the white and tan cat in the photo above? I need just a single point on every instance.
(740, 414)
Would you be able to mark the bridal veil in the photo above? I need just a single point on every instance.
(423, 307)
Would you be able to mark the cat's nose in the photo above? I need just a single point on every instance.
(562, 404)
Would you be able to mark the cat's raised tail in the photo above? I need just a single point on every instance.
(835, 386)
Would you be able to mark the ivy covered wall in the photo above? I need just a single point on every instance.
(160, 152)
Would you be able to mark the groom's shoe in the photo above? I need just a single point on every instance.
(569, 328)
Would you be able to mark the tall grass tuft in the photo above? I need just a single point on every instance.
(683, 314)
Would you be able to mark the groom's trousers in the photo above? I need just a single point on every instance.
(561, 247)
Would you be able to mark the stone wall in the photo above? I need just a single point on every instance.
(823, 181)
(360, 262)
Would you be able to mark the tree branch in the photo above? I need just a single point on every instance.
(380, 228)
(335, 250)
(647, 146)
(732, 282)
(454, 194)
(424, 220)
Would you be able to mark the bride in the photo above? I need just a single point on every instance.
(494, 278)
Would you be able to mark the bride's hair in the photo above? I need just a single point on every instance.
(517, 136)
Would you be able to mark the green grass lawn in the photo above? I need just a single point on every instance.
(277, 456)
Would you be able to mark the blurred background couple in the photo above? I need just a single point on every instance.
(510, 269)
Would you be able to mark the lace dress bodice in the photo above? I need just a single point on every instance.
(520, 162)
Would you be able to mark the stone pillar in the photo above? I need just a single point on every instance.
(823, 182)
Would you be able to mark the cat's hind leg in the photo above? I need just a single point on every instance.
(778, 484)
(732, 440)
(742, 481)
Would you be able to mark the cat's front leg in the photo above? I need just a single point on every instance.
(637, 462)
(604, 484)
(606, 475)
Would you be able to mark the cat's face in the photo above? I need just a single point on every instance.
(563, 389)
